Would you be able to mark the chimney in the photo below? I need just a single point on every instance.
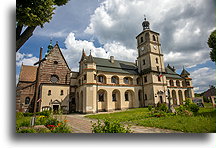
(112, 59)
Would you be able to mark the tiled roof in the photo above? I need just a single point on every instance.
(117, 66)
(28, 73)
(171, 74)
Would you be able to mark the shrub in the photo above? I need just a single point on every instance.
(26, 130)
(150, 107)
(28, 114)
(109, 127)
(194, 108)
(19, 115)
(161, 107)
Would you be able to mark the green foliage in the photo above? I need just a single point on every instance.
(161, 107)
(109, 127)
(205, 99)
(212, 45)
(150, 107)
(61, 128)
(19, 115)
(188, 108)
(26, 130)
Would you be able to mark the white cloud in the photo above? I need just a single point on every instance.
(74, 48)
(182, 25)
(26, 59)
(202, 78)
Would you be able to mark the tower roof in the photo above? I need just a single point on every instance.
(145, 24)
(185, 72)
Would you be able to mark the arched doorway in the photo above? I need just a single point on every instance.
(180, 97)
(116, 99)
(102, 100)
(129, 97)
(174, 97)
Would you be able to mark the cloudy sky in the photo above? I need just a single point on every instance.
(109, 27)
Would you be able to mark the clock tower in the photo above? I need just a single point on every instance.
(151, 66)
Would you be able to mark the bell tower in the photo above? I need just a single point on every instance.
(151, 65)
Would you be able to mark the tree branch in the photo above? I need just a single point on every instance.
(24, 37)
(18, 31)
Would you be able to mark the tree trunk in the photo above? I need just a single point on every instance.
(24, 37)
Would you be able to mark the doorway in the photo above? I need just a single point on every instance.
(55, 108)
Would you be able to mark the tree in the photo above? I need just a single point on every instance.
(212, 45)
(33, 13)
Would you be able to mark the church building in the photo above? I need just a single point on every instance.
(103, 84)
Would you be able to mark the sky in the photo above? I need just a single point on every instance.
(110, 27)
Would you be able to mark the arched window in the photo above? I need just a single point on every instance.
(27, 100)
(54, 78)
(55, 62)
(128, 80)
(101, 79)
(141, 39)
(178, 83)
(146, 97)
(114, 79)
(171, 83)
(144, 62)
(62, 92)
(138, 81)
(49, 92)
(153, 37)
(156, 60)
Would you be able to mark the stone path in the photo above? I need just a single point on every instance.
(80, 124)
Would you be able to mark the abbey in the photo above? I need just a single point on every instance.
(103, 84)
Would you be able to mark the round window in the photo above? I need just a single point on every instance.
(54, 78)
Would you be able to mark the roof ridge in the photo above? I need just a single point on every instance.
(116, 60)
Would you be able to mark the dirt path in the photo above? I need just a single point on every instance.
(80, 124)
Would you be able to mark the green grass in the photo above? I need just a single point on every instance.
(203, 122)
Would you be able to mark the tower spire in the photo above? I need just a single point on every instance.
(145, 23)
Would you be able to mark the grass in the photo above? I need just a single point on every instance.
(203, 122)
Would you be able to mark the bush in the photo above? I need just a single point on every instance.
(28, 114)
(194, 108)
(109, 127)
(27, 130)
(19, 115)
(150, 107)
(161, 107)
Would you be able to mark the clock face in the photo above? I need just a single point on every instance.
(142, 48)
(154, 47)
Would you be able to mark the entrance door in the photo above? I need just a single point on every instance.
(161, 99)
(55, 108)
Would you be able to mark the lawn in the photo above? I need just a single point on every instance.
(203, 122)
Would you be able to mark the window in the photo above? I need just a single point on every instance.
(101, 97)
(188, 83)
(144, 62)
(84, 77)
(156, 60)
(114, 80)
(54, 78)
(178, 83)
(114, 97)
(126, 96)
(171, 83)
(101, 79)
(138, 81)
(95, 77)
(154, 39)
(146, 97)
(49, 92)
(159, 78)
(126, 80)
(145, 79)
(27, 100)
(62, 92)
(55, 62)
(141, 39)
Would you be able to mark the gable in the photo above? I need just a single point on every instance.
(55, 65)
(28, 73)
